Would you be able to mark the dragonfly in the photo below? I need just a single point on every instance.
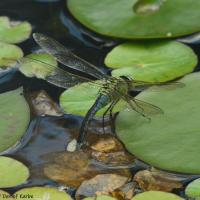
(112, 90)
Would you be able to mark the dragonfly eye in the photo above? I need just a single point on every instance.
(126, 78)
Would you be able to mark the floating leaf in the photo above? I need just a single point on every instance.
(78, 99)
(156, 195)
(193, 189)
(4, 195)
(151, 61)
(38, 65)
(14, 118)
(43, 193)
(169, 141)
(138, 18)
(9, 54)
(12, 172)
(14, 31)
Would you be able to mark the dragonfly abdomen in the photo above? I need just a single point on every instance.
(101, 101)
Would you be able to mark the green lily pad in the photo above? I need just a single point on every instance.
(14, 118)
(9, 54)
(38, 65)
(78, 99)
(152, 61)
(135, 19)
(168, 141)
(102, 197)
(193, 189)
(14, 32)
(156, 195)
(12, 172)
(42, 193)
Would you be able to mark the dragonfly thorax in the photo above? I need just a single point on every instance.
(115, 87)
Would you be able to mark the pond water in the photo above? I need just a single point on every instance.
(47, 135)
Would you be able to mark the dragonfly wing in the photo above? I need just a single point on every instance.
(141, 85)
(66, 57)
(64, 79)
(144, 108)
(52, 74)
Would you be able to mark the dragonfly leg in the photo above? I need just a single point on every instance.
(104, 114)
(111, 116)
(103, 119)
(110, 110)
(112, 120)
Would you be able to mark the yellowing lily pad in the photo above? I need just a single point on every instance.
(9, 54)
(14, 118)
(193, 189)
(138, 18)
(78, 99)
(14, 32)
(151, 61)
(37, 65)
(4, 195)
(43, 193)
(169, 141)
(156, 195)
(12, 172)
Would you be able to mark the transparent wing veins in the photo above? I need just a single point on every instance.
(66, 57)
(143, 108)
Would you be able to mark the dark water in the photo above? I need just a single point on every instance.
(51, 134)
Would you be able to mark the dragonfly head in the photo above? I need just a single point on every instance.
(128, 80)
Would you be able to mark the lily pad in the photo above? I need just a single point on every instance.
(168, 141)
(12, 172)
(156, 195)
(135, 19)
(38, 65)
(14, 118)
(193, 189)
(14, 31)
(4, 195)
(43, 193)
(9, 54)
(78, 99)
(151, 61)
